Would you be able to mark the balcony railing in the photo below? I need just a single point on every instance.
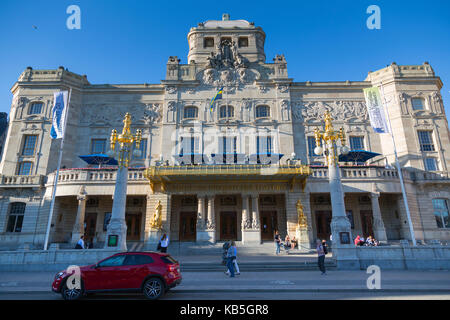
(359, 172)
(22, 181)
(94, 176)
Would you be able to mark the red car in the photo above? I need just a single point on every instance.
(151, 273)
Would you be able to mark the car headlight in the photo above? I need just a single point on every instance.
(59, 275)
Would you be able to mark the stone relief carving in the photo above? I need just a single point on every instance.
(285, 110)
(437, 100)
(171, 89)
(283, 88)
(340, 110)
(110, 115)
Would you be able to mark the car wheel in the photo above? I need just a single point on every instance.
(71, 294)
(153, 288)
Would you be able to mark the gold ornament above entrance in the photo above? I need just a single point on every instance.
(164, 176)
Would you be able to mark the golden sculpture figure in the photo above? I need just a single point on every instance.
(125, 140)
(302, 221)
(156, 221)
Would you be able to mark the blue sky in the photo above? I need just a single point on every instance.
(130, 41)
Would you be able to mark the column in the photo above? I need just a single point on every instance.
(78, 228)
(202, 234)
(211, 219)
(255, 213)
(378, 225)
(250, 220)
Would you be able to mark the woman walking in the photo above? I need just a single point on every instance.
(231, 256)
(164, 243)
(321, 256)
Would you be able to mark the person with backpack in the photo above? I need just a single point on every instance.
(321, 256)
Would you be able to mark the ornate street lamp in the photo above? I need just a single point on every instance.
(340, 225)
(116, 235)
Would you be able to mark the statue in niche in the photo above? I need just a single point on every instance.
(302, 221)
(156, 221)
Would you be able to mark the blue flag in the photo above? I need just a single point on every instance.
(216, 97)
(59, 114)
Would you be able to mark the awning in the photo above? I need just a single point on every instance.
(357, 156)
(265, 158)
(228, 158)
(99, 159)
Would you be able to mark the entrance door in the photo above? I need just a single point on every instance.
(269, 224)
(228, 226)
(188, 226)
(366, 223)
(323, 223)
(90, 222)
(133, 226)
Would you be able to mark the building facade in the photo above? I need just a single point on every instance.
(236, 170)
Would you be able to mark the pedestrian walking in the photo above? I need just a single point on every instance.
(164, 243)
(235, 264)
(231, 256)
(80, 243)
(321, 256)
(277, 242)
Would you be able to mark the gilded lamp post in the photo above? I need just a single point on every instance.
(117, 228)
(333, 145)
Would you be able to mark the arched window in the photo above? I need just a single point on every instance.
(441, 213)
(262, 111)
(25, 168)
(15, 218)
(226, 112)
(35, 108)
(190, 113)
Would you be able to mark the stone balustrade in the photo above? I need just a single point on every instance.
(21, 181)
(72, 176)
(357, 173)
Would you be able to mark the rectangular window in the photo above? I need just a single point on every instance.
(189, 145)
(243, 42)
(440, 207)
(35, 108)
(417, 104)
(208, 42)
(143, 148)
(228, 145)
(29, 145)
(312, 146)
(98, 146)
(264, 145)
(25, 168)
(15, 219)
(356, 143)
(426, 141)
(430, 164)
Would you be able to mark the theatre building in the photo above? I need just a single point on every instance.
(238, 169)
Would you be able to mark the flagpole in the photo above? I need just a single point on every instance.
(400, 175)
(55, 184)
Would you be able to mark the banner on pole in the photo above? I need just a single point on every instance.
(375, 110)
(59, 114)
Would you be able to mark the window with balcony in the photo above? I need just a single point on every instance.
(431, 164)
(440, 207)
(262, 112)
(264, 145)
(190, 113)
(98, 146)
(15, 217)
(356, 143)
(25, 168)
(29, 145)
(35, 108)
(418, 104)
(226, 112)
(426, 140)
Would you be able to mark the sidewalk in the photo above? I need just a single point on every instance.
(286, 281)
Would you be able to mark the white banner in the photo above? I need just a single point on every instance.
(375, 110)
(59, 114)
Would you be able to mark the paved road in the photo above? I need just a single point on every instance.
(262, 285)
